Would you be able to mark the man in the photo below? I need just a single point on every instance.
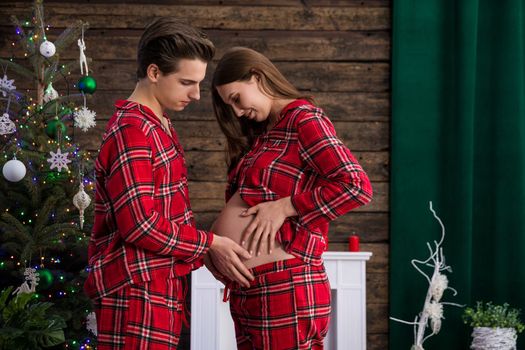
(144, 239)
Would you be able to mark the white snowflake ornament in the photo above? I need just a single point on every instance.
(50, 93)
(59, 160)
(6, 125)
(81, 200)
(6, 85)
(85, 119)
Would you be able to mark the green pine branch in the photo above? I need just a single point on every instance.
(50, 71)
(44, 213)
(17, 68)
(36, 58)
(28, 45)
(13, 229)
(70, 35)
(28, 241)
(65, 68)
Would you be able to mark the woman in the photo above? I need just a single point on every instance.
(289, 176)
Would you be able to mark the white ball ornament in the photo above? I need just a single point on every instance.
(14, 170)
(47, 49)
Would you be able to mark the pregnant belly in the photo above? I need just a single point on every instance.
(231, 224)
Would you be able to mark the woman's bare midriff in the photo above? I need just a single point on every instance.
(231, 224)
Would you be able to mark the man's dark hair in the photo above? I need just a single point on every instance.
(166, 40)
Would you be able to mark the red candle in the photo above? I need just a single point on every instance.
(353, 243)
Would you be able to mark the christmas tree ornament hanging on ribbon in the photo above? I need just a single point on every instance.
(82, 59)
(30, 284)
(54, 127)
(6, 85)
(58, 160)
(87, 84)
(50, 93)
(46, 277)
(7, 126)
(85, 118)
(81, 201)
(47, 49)
(14, 170)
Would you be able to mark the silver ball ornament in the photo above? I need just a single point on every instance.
(14, 170)
(47, 49)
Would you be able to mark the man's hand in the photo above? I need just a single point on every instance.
(211, 267)
(225, 255)
(269, 217)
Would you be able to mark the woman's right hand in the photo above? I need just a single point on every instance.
(225, 255)
(269, 217)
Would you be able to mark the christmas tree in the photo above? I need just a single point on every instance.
(47, 181)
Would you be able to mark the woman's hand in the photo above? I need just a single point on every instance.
(269, 217)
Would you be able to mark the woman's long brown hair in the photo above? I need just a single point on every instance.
(240, 64)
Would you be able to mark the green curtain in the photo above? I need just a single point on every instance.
(458, 139)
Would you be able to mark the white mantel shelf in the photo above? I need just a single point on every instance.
(212, 326)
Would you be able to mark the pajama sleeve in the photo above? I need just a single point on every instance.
(345, 185)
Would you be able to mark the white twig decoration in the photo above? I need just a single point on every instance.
(433, 307)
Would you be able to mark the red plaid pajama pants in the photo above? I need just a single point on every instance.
(287, 306)
(142, 316)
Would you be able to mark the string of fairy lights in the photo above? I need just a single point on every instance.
(32, 115)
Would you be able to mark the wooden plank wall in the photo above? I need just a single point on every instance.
(338, 50)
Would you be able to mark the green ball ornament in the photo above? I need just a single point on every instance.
(87, 84)
(53, 126)
(46, 278)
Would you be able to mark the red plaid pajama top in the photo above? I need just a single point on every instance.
(302, 157)
(144, 226)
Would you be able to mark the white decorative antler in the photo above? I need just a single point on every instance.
(433, 307)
